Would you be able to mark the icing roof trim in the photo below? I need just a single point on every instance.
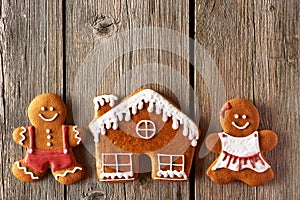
(131, 105)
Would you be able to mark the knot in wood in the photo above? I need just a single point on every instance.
(104, 26)
(95, 195)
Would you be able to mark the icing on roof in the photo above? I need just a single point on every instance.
(101, 100)
(131, 105)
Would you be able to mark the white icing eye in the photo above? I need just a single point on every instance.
(43, 108)
(236, 116)
(244, 116)
(51, 108)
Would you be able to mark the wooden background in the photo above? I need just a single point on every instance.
(254, 43)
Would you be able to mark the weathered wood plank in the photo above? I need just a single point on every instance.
(226, 31)
(255, 45)
(122, 75)
(276, 91)
(31, 63)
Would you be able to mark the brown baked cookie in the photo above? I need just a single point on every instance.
(241, 146)
(49, 143)
(143, 124)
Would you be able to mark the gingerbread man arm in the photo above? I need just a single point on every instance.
(267, 140)
(213, 143)
(76, 135)
(21, 136)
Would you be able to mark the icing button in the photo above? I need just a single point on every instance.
(48, 131)
(49, 144)
(223, 135)
(49, 137)
(255, 135)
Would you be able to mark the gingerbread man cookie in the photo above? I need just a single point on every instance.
(49, 143)
(241, 146)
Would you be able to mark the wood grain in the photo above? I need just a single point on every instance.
(31, 63)
(276, 91)
(255, 47)
(56, 46)
(90, 26)
(227, 35)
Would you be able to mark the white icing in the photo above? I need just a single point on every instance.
(236, 116)
(49, 137)
(65, 151)
(148, 131)
(194, 143)
(170, 174)
(47, 119)
(22, 135)
(137, 101)
(101, 100)
(77, 134)
(244, 116)
(241, 148)
(48, 131)
(67, 172)
(49, 144)
(118, 174)
(51, 108)
(43, 108)
(240, 127)
(25, 170)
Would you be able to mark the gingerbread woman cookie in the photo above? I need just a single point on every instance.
(49, 143)
(241, 146)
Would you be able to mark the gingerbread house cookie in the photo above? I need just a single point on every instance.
(145, 123)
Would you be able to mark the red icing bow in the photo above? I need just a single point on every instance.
(226, 107)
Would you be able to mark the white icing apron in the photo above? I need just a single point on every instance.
(240, 153)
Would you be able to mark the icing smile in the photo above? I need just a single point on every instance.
(240, 127)
(48, 119)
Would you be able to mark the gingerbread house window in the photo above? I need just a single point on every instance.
(119, 162)
(170, 162)
(146, 129)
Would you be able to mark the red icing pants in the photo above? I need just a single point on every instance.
(41, 159)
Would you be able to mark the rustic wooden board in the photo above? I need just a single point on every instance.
(276, 91)
(227, 36)
(255, 47)
(31, 63)
(89, 28)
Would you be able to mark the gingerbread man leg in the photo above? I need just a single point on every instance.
(25, 173)
(260, 178)
(220, 176)
(69, 175)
